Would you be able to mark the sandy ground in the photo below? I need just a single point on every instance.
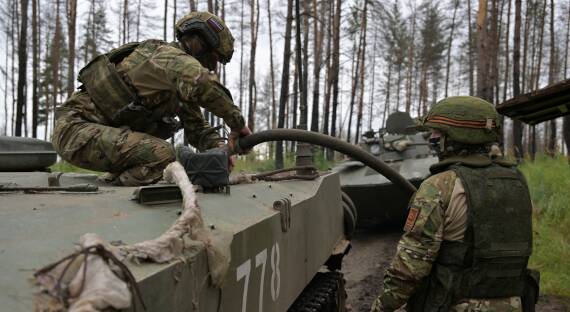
(371, 253)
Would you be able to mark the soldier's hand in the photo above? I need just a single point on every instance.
(236, 134)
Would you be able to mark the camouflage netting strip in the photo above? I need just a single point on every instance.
(77, 285)
(81, 285)
(186, 231)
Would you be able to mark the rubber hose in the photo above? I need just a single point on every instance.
(320, 139)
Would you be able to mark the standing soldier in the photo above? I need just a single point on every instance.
(126, 107)
(468, 235)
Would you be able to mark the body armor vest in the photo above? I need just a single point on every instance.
(116, 100)
(105, 86)
(491, 261)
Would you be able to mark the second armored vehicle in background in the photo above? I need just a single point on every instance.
(378, 200)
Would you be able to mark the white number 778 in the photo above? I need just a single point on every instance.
(244, 270)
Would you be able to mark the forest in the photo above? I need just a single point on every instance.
(332, 66)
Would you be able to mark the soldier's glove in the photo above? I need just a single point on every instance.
(237, 134)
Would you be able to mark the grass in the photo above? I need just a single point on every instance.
(63, 166)
(259, 164)
(549, 184)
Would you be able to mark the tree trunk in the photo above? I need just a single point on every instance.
(506, 79)
(335, 70)
(55, 54)
(174, 16)
(318, 35)
(537, 75)
(139, 12)
(497, 21)
(540, 46)
(273, 116)
(165, 19)
(387, 103)
(373, 83)
(22, 66)
(566, 125)
(192, 5)
(125, 20)
(531, 84)
(483, 54)
(552, 77)
(284, 95)
(271, 68)
(295, 107)
(525, 46)
(302, 61)
(35, 64)
(411, 55)
(354, 78)
(517, 126)
(13, 35)
(241, 55)
(254, 22)
(449, 45)
(71, 21)
(328, 57)
(471, 56)
(362, 62)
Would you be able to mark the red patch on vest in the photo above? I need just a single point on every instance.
(215, 24)
(411, 220)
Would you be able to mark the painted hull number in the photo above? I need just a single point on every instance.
(243, 271)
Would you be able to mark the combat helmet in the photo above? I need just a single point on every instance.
(212, 29)
(465, 119)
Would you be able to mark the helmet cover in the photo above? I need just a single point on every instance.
(212, 29)
(465, 119)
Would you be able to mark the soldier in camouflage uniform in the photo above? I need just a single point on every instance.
(468, 234)
(130, 98)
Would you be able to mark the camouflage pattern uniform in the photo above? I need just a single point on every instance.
(436, 260)
(438, 212)
(168, 82)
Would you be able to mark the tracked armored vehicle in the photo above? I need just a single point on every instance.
(274, 245)
(377, 200)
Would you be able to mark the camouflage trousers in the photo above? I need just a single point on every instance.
(512, 304)
(135, 158)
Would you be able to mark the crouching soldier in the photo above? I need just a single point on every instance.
(126, 106)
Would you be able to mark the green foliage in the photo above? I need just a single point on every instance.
(549, 182)
(254, 163)
(432, 44)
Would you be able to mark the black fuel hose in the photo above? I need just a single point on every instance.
(329, 142)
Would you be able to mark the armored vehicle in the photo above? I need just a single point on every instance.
(378, 200)
(70, 242)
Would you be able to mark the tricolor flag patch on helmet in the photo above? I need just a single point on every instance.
(215, 24)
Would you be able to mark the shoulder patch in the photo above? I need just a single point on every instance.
(411, 220)
(215, 24)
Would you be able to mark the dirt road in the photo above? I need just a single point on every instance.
(371, 253)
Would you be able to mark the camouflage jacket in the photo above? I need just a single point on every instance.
(438, 212)
(170, 82)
